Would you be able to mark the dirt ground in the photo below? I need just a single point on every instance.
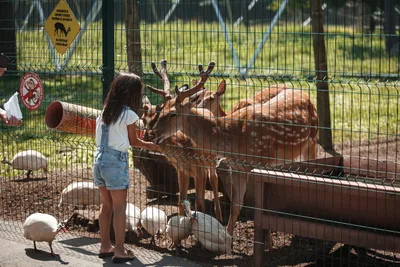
(21, 197)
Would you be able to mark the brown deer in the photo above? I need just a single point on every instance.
(212, 101)
(181, 150)
(256, 136)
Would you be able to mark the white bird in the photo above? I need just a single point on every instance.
(29, 160)
(80, 193)
(178, 228)
(132, 217)
(211, 234)
(40, 227)
(154, 221)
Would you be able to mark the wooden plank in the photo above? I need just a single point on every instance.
(371, 168)
(326, 231)
(330, 166)
(259, 233)
(297, 180)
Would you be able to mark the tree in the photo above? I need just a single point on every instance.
(321, 68)
(132, 29)
(8, 43)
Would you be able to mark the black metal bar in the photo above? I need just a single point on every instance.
(108, 45)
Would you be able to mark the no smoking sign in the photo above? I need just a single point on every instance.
(31, 91)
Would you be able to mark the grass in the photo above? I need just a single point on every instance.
(288, 50)
(361, 108)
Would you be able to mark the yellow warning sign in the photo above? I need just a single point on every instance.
(62, 26)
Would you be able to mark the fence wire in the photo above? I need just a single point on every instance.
(306, 172)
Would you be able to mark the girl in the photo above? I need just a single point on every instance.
(115, 132)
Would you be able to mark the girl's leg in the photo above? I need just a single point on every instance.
(106, 209)
(119, 206)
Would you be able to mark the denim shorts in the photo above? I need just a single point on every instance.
(110, 169)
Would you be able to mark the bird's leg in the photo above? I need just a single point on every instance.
(74, 216)
(51, 249)
(28, 174)
(152, 241)
(158, 234)
(178, 249)
(34, 246)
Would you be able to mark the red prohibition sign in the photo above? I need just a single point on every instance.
(31, 91)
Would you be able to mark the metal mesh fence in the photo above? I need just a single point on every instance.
(314, 158)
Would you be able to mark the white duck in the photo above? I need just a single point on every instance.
(178, 228)
(211, 234)
(132, 217)
(154, 221)
(40, 227)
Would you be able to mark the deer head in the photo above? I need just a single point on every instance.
(152, 112)
(185, 99)
(212, 100)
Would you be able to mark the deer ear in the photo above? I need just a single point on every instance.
(221, 88)
(183, 88)
(146, 100)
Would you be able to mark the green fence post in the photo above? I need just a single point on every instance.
(108, 45)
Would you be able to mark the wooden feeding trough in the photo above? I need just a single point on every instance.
(339, 199)
(162, 176)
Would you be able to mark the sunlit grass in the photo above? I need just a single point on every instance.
(287, 51)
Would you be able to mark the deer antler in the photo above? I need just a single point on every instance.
(182, 93)
(166, 93)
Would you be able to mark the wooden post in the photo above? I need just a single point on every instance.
(259, 232)
(321, 69)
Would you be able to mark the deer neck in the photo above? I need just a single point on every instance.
(211, 133)
(220, 112)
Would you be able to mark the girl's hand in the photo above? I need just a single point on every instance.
(139, 143)
(2, 70)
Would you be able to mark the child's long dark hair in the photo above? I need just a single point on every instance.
(126, 90)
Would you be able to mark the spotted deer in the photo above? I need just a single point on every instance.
(180, 149)
(255, 136)
(212, 101)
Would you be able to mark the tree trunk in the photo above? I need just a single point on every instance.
(133, 37)
(8, 44)
(132, 29)
(321, 68)
(392, 41)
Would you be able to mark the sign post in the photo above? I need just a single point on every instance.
(31, 91)
(62, 27)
